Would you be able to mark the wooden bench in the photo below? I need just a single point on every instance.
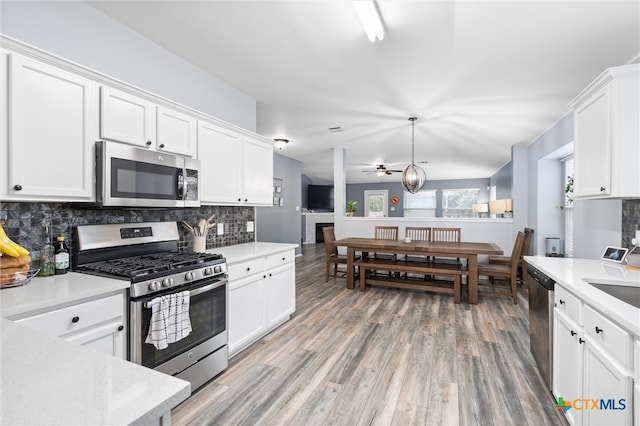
(454, 270)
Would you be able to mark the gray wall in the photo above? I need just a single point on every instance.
(356, 192)
(80, 33)
(283, 224)
(502, 180)
(597, 223)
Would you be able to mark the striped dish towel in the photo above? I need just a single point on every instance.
(170, 320)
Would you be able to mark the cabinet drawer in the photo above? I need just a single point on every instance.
(244, 269)
(613, 339)
(567, 303)
(77, 317)
(279, 259)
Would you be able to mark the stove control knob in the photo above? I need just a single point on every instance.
(154, 285)
(189, 276)
(217, 269)
(208, 271)
(167, 282)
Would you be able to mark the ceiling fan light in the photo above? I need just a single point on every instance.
(381, 172)
(413, 178)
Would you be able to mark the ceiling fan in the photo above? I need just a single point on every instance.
(381, 170)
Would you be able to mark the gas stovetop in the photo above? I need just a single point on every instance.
(144, 254)
(158, 264)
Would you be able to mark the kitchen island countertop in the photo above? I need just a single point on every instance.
(571, 273)
(46, 380)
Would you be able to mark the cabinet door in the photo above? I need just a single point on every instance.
(607, 383)
(53, 125)
(593, 146)
(281, 294)
(257, 172)
(220, 155)
(567, 363)
(127, 118)
(176, 132)
(109, 338)
(246, 312)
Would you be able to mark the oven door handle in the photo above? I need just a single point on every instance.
(198, 291)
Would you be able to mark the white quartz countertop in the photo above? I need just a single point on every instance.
(43, 293)
(46, 380)
(571, 274)
(242, 252)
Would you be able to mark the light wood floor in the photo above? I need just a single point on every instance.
(384, 357)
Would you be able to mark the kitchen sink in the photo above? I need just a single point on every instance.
(628, 292)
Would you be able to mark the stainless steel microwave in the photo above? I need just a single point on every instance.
(133, 177)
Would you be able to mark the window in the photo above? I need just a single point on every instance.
(420, 204)
(459, 202)
(375, 203)
(568, 206)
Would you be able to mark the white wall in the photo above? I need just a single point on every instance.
(78, 32)
(596, 224)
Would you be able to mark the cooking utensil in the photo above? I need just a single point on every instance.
(189, 227)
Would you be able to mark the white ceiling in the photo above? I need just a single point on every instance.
(480, 76)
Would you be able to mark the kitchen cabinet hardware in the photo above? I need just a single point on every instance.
(75, 319)
(581, 340)
(603, 189)
(148, 143)
(248, 269)
(161, 146)
(17, 187)
(121, 327)
(573, 333)
(598, 330)
(284, 258)
(562, 302)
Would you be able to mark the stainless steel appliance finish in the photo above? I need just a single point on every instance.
(134, 177)
(146, 255)
(541, 305)
(626, 293)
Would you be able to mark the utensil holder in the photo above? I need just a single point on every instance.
(199, 243)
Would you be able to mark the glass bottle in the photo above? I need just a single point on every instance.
(47, 262)
(61, 256)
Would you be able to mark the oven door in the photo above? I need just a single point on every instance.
(208, 313)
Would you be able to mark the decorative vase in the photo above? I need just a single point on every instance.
(350, 214)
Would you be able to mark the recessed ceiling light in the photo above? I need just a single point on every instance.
(336, 129)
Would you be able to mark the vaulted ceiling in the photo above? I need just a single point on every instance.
(480, 76)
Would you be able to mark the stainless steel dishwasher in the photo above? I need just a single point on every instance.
(541, 321)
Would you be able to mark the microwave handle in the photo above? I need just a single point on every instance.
(182, 186)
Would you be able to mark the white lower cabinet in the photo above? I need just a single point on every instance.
(592, 363)
(98, 324)
(261, 297)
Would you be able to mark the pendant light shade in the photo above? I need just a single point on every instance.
(413, 177)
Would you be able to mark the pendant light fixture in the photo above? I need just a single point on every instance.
(413, 177)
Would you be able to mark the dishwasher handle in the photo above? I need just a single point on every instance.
(540, 277)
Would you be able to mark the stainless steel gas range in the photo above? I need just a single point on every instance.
(146, 254)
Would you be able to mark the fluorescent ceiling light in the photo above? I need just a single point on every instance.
(370, 19)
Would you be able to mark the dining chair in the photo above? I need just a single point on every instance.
(417, 233)
(385, 233)
(333, 258)
(509, 271)
(446, 235)
(526, 250)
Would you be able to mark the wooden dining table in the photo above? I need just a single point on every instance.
(462, 250)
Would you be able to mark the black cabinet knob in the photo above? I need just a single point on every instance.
(581, 340)
(248, 269)
(161, 145)
(561, 302)
(602, 189)
(573, 333)
(239, 199)
(75, 319)
(598, 330)
(245, 200)
(270, 274)
(17, 187)
(120, 328)
(284, 258)
(148, 143)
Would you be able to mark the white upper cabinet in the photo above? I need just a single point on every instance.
(133, 120)
(236, 169)
(257, 177)
(607, 135)
(52, 125)
(220, 155)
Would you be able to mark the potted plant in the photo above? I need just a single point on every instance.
(568, 193)
(352, 206)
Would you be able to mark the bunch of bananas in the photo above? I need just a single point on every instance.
(9, 247)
